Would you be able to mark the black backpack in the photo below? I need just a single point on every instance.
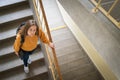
(18, 28)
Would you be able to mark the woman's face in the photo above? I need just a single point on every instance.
(32, 30)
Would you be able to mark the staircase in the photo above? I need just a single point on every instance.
(12, 13)
(73, 60)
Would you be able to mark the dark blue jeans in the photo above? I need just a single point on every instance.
(25, 56)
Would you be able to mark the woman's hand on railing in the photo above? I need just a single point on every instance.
(51, 45)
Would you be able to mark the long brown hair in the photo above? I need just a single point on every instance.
(27, 25)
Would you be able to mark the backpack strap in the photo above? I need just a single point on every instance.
(22, 40)
(19, 27)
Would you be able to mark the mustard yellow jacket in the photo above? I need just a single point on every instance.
(30, 42)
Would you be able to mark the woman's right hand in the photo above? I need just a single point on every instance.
(17, 54)
(51, 45)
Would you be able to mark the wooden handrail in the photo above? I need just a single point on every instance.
(50, 38)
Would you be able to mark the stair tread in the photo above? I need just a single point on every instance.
(8, 2)
(85, 76)
(11, 28)
(36, 68)
(70, 50)
(12, 62)
(75, 64)
(73, 57)
(5, 47)
(78, 72)
(90, 76)
(5, 35)
(39, 77)
(11, 16)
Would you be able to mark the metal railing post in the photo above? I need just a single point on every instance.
(111, 8)
(106, 13)
(96, 8)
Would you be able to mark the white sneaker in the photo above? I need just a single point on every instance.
(29, 60)
(26, 69)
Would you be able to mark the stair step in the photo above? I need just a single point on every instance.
(43, 76)
(7, 46)
(15, 14)
(78, 72)
(67, 65)
(4, 3)
(68, 49)
(7, 63)
(64, 32)
(67, 42)
(66, 58)
(87, 76)
(90, 76)
(11, 28)
(36, 68)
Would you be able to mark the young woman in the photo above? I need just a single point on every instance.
(31, 33)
